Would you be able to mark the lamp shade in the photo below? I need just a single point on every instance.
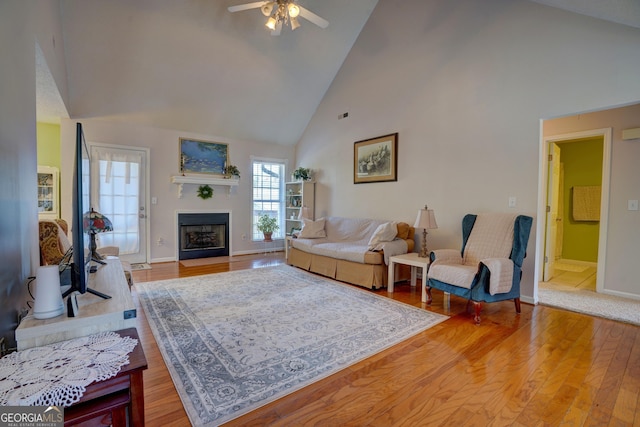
(48, 298)
(426, 219)
(267, 8)
(271, 23)
(294, 23)
(95, 222)
(294, 10)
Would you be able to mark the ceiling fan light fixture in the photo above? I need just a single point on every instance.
(267, 8)
(294, 10)
(271, 23)
(294, 23)
(281, 13)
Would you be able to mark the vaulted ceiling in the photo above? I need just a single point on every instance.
(192, 65)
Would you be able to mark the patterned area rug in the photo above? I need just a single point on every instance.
(236, 341)
(588, 302)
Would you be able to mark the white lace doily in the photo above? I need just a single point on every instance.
(58, 374)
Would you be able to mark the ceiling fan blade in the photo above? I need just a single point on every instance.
(241, 7)
(276, 32)
(312, 17)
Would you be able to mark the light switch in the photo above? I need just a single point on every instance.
(154, 200)
(512, 202)
(632, 205)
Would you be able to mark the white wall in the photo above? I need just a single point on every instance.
(22, 23)
(163, 145)
(623, 237)
(465, 85)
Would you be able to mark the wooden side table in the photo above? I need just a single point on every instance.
(117, 401)
(415, 262)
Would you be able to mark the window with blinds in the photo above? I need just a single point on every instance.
(268, 194)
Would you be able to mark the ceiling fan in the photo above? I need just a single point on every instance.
(281, 12)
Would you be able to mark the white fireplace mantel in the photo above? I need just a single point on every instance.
(180, 180)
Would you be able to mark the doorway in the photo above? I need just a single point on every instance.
(119, 191)
(575, 209)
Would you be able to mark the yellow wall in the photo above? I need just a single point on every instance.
(582, 162)
(48, 137)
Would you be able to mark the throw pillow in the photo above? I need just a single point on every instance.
(403, 230)
(63, 240)
(312, 229)
(384, 233)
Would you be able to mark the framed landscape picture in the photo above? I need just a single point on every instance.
(376, 159)
(203, 156)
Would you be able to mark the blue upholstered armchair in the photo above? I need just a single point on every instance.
(489, 266)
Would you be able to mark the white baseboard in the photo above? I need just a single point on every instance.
(528, 300)
(620, 294)
(167, 259)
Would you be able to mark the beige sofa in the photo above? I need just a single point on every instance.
(343, 252)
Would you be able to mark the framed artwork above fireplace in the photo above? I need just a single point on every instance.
(203, 157)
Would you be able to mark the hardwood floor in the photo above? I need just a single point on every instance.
(543, 367)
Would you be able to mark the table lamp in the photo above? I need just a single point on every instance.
(426, 220)
(94, 223)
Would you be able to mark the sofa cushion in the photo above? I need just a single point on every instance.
(352, 229)
(351, 251)
(50, 252)
(384, 233)
(458, 275)
(312, 229)
(65, 244)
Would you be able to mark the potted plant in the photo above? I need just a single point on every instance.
(232, 171)
(301, 174)
(267, 225)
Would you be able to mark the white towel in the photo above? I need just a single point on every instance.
(501, 278)
(393, 248)
(586, 203)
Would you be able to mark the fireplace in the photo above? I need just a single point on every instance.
(203, 235)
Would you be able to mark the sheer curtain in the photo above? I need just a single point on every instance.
(116, 194)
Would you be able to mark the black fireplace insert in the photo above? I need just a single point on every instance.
(203, 235)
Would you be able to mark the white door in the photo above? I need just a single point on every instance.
(119, 183)
(543, 249)
(553, 212)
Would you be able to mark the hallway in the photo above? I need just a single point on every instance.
(574, 288)
(573, 276)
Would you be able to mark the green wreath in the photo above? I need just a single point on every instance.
(205, 192)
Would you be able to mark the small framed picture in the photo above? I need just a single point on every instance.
(376, 159)
(203, 157)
